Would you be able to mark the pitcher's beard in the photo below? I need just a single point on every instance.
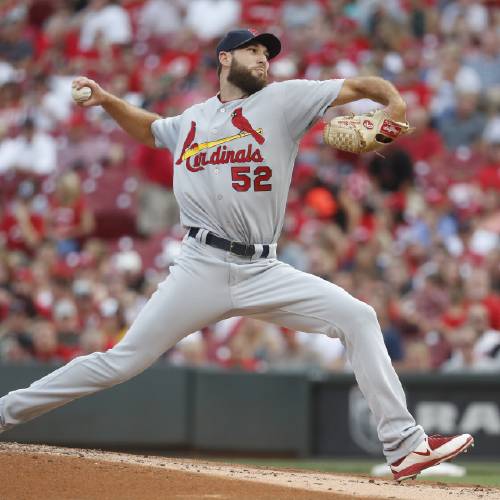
(243, 78)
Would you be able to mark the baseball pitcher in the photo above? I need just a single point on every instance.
(234, 155)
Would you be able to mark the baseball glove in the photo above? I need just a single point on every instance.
(363, 133)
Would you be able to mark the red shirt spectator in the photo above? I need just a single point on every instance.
(416, 93)
(492, 303)
(156, 165)
(489, 177)
(260, 13)
(69, 215)
(178, 62)
(45, 347)
(423, 146)
(424, 143)
(20, 228)
(67, 218)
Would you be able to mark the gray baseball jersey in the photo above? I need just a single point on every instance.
(234, 160)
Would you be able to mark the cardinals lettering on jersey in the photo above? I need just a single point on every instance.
(222, 154)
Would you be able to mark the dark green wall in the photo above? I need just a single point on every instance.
(147, 411)
(252, 412)
(212, 410)
(169, 407)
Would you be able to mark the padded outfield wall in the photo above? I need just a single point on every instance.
(296, 414)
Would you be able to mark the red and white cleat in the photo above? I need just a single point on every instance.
(432, 451)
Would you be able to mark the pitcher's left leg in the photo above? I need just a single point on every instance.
(193, 295)
(304, 302)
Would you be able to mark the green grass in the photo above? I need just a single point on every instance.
(478, 473)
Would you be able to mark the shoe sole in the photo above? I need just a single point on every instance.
(462, 449)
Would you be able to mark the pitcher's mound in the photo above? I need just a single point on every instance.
(51, 473)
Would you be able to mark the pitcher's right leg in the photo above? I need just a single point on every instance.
(303, 302)
(194, 294)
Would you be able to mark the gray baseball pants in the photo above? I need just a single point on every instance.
(206, 285)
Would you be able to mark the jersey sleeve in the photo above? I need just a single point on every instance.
(305, 101)
(166, 132)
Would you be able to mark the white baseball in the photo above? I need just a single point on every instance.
(82, 94)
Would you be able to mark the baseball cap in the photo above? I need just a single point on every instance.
(237, 38)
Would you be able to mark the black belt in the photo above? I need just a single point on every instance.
(230, 246)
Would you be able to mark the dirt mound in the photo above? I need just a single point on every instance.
(33, 472)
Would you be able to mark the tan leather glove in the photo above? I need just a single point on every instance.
(363, 133)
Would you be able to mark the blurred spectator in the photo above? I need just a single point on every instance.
(300, 13)
(424, 144)
(11, 112)
(66, 322)
(69, 218)
(159, 18)
(46, 107)
(190, 351)
(106, 21)
(305, 351)
(210, 19)
(417, 357)
(488, 339)
(45, 347)
(392, 336)
(81, 148)
(93, 340)
(83, 293)
(464, 356)
(448, 76)
(485, 60)
(112, 320)
(21, 227)
(261, 14)
(465, 125)
(31, 152)
(15, 47)
(392, 173)
(422, 19)
(364, 11)
(466, 15)
(478, 290)
(489, 175)
(15, 333)
(157, 208)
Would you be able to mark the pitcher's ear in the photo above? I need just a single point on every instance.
(225, 58)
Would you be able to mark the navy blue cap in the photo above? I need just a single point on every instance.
(238, 38)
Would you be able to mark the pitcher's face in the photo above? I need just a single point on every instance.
(249, 68)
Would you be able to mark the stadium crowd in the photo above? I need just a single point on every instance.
(89, 225)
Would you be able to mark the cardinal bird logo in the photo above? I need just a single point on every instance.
(187, 143)
(243, 125)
